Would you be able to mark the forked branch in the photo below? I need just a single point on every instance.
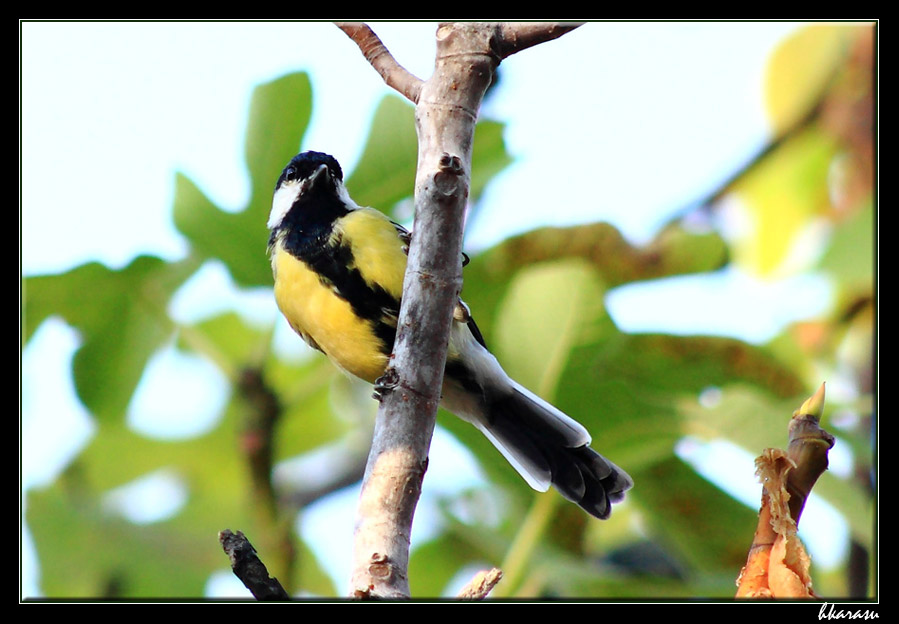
(447, 106)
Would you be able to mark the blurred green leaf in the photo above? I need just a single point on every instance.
(434, 564)
(488, 155)
(169, 558)
(279, 115)
(219, 495)
(549, 308)
(87, 552)
(385, 173)
(851, 255)
(121, 318)
(674, 251)
(704, 527)
(541, 303)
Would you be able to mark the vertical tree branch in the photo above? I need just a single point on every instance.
(447, 107)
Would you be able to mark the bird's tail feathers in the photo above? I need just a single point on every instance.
(548, 447)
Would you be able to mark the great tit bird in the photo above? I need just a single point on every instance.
(338, 272)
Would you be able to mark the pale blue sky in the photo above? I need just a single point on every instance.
(623, 122)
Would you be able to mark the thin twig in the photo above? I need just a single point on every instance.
(249, 568)
(479, 587)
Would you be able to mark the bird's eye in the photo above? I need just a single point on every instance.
(290, 173)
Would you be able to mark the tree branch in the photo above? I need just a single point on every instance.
(479, 587)
(446, 111)
(517, 36)
(248, 567)
(394, 75)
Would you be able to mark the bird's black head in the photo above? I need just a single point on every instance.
(306, 164)
(309, 190)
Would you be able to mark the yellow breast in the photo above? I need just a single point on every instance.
(314, 310)
(376, 247)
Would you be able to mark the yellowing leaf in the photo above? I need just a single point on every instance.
(800, 69)
(781, 197)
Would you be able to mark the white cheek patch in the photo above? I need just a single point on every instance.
(344, 195)
(288, 193)
(283, 199)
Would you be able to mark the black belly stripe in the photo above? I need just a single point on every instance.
(370, 302)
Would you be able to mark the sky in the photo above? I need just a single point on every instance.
(624, 122)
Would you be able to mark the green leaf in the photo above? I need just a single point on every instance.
(434, 564)
(279, 114)
(548, 309)
(674, 251)
(385, 173)
(703, 527)
(75, 528)
(851, 254)
(86, 552)
(121, 318)
(540, 297)
(488, 155)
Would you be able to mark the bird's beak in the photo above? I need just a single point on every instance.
(320, 175)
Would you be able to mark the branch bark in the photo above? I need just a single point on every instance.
(447, 107)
